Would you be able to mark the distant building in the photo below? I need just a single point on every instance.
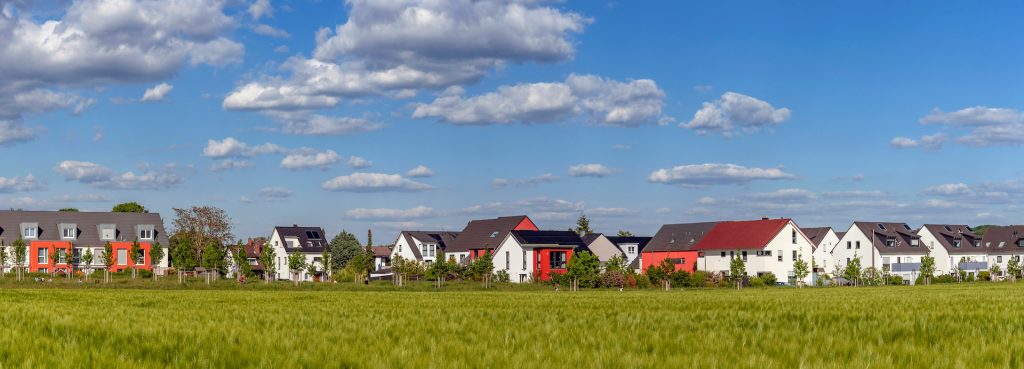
(954, 246)
(892, 248)
(529, 255)
(308, 241)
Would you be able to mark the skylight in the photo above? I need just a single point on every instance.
(948, 229)
(494, 234)
(313, 235)
(906, 226)
(880, 226)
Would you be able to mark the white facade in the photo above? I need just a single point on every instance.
(777, 256)
(281, 254)
(945, 261)
(856, 244)
(514, 259)
(403, 249)
(823, 258)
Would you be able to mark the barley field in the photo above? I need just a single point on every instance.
(979, 325)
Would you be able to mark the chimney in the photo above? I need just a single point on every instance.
(295, 225)
(764, 218)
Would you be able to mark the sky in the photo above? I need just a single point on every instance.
(425, 114)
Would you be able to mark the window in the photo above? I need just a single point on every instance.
(880, 226)
(999, 259)
(858, 245)
(631, 249)
(68, 231)
(313, 235)
(42, 256)
(956, 244)
(76, 256)
(462, 257)
(890, 242)
(977, 243)
(909, 259)
(508, 261)
(146, 233)
(524, 259)
(62, 256)
(433, 250)
(253, 261)
(723, 254)
(780, 257)
(494, 234)
(885, 260)
(744, 256)
(794, 255)
(108, 232)
(1020, 243)
(29, 230)
(848, 245)
(557, 260)
(794, 237)
(914, 242)
(122, 257)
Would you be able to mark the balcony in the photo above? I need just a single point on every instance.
(903, 267)
(974, 265)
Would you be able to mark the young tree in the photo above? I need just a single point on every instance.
(87, 261)
(156, 256)
(738, 269)
(214, 259)
(852, 271)
(108, 260)
(3, 258)
(325, 264)
(54, 257)
(800, 270)
(311, 269)
(129, 207)
(242, 261)
(584, 269)
(267, 260)
(20, 252)
(343, 247)
(296, 263)
(369, 238)
(927, 268)
(872, 276)
(438, 270)
(583, 225)
(994, 271)
(136, 251)
(623, 233)
(1013, 269)
(617, 263)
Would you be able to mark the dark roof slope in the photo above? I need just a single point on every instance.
(484, 233)
(748, 234)
(88, 223)
(441, 238)
(589, 238)
(948, 234)
(816, 234)
(1004, 239)
(641, 242)
(559, 238)
(900, 233)
(678, 237)
(381, 251)
(311, 239)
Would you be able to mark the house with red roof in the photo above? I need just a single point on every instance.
(766, 245)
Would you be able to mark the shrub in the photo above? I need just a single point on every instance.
(344, 276)
(642, 281)
(984, 275)
(756, 282)
(769, 278)
(501, 276)
(559, 279)
(970, 278)
(614, 279)
(897, 280)
(697, 279)
(945, 278)
(679, 278)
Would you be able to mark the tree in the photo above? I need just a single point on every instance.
(54, 258)
(438, 270)
(1013, 268)
(927, 268)
(369, 238)
(87, 261)
(199, 228)
(242, 261)
(3, 258)
(994, 271)
(616, 263)
(296, 262)
(129, 207)
(583, 225)
(136, 252)
(584, 269)
(872, 276)
(980, 230)
(215, 258)
(852, 270)
(156, 256)
(20, 252)
(343, 247)
(800, 270)
(325, 264)
(311, 269)
(68, 210)
(267, 261)
(738, 269)
(623, 233)
(108, 260)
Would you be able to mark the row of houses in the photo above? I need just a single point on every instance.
(527, 253)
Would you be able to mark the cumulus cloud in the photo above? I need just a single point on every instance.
(539, 208)
(320, 125)
(949, 189)
(229, 164)
(390, 214)
(101, 177)
(310, 160)
(591, 170)
(930, 142)
(267, 30)
(356, 162)
(984, 126)
(374, 182)
(19, 184)
(82, 198)
(735, 114)
(418, 44)
(260, 8)
(157, 93)
(275, 193)
(524, 182)
(699, 175)
(420, 171)
(599, 100)
(231, 147)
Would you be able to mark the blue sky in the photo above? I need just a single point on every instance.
(634, 113)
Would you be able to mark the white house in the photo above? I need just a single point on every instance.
(602, 247)
(632, 248)
(766, 245)
(892, 248)
(309, 241)
(1003, 243)
(824, 240)
(954, 247)
(422, 246)
(525, 255)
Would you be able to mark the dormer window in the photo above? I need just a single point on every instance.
(956, 244)
(145, 231)
(977, 243)
(907, 227)
(914, 242)
(1020, 242)
(30, 230)
(494, 234)
(68, 231)
(880, 226)
(107, 232)
(890, 242)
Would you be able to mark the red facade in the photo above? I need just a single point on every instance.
(49, 264)
(685, 260)
(549, 261)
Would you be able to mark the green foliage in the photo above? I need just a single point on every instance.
(699, 279)
(129, 207)
(215, 258)
(617, 263)
(585, 267)
(441, 267)
(344, 247)
(242, 260)
(268, 260)
(156, 254)
(68, 210)
(20, 251)
(583, 225)
(613, 279)
(800, 269)
(642, 281)
(852, 270)
(107, 256)
(182, 255)
(980, 230)
(480, 267)
(501, 276)
(872, 277)
(135, 252)
(737, 268)
(927, 268)
(679, 278)
(984, 275)
(757, 282)
(995, 270)
(87, 257)
(769, 278)
(623, 233)
(296, 263)
(895, 280)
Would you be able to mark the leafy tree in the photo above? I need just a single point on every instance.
(296, 262)
(1013, 268)
(343, 247)
(3, 258)
(267, 260)
(584, 269)
(136, 252)
(325, 264)
(87, 258)
(214, 258)
(53, 260)
(129, 207)
(242, 260)
(369, 238)
(872, 276)
(200, 228)
(852, 270)
(108, 260)
(617, 263)
(994, 271)
(980, 230)
(20, 252)
(927, 268)
(483, 267)
(439, 269)
(623, 233)
(583, 225)
(311, 269)
(737, 269)
(68, 210)
(156, 255)
(800, 270)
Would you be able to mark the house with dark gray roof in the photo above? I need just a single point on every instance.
(954, 247)
(422, 246)
(482, 236)
(890, 247)
(528, 255)
(824, 240)
(308, 241)
(56, 240)
(675, 242)
(1003, 243)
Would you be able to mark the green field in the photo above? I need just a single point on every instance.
(978, 325)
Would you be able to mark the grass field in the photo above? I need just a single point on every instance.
(950, 326)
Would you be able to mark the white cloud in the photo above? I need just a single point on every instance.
(699, 175)
(231, 147)
(591, 170)
(229, 164)
(82, 198)
(610, 212)
(12, 132)
(949, 189)
(275, 193)
(985, 126)
(525, 182)
(310, 160)
(19, 184)
(663, 210)
(267, 30)
(320, 125)
(930, 142)
(622, 146)
(356, 162)
(785, 194)
(386, 213)
(420, 171)
(157, 93)
(102, 177)
(600, 100)
(260, 8)
(735, 114)
(374, 182)
(281, 49)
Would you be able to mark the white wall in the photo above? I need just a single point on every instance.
(823, 253)
(511, 254)
(403, 248)
(780, 245)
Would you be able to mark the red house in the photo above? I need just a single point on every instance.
(675, 242)
(536, 255)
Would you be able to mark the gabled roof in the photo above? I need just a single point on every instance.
(1003, 239)
(311, 239)
(441, 238)
(553, 238)
(589, 238)
(88, 224)
(900, 233)
(816, 234)
(381, 251)
(748, 234)
(678, 237)
(487, 233)
(641, 242)
(948, 234)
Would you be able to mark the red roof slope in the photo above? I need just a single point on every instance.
(750, 234)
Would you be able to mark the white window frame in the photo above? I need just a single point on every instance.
(64, 234)
(43, 256)
(146, 232)
(34, 227)
(113, 232)
(121, 261)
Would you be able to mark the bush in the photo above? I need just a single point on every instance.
(769, 278)
(613, 279)
(559, 279)
(756, 282)
(501, 276)
(344, 276)
(642, 281)
(679, 278)
(970, 278)
(697, 279)
(897, 280)
(984, 275)
(945, 278)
